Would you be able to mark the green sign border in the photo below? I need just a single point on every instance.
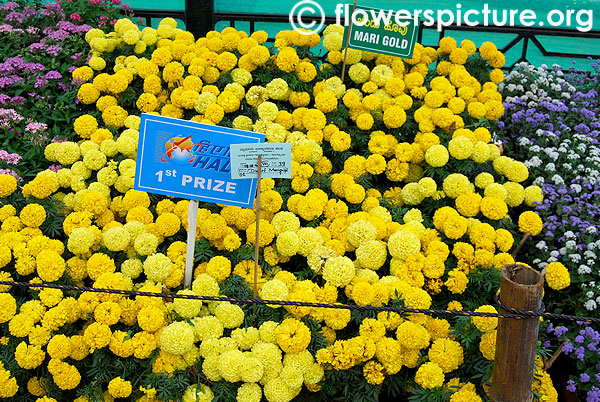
(379, 51)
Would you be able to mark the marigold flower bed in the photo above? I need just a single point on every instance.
(398, 197)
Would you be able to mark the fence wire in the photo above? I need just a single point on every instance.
(512, 313)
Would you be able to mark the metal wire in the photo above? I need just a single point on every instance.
(519, 314)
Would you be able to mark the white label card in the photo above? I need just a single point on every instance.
(276, 160)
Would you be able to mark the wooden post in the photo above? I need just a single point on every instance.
(257, 227)
(521, 289)
(199, 16)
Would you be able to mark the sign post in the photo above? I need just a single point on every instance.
(191, 160)
(274, 161)
(257, 228)
(191, 242)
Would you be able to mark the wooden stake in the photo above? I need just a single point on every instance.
(257, 227)
(191, 242)
(521, 243)
(347, 40)
(516, 341)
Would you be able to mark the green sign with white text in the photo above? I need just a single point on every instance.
(382, 31)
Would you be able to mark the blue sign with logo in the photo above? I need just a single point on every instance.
(191, 160)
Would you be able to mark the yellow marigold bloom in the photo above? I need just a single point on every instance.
(557, 276)
(97, 336)
(437, 155)
(177, 338)
(373, 372)
(338, 271)
(33, 215)
(50, 265)
(119, 388)
(293, 336)
(394, 117)
(493, 208)
(455, 227)
(533, 195)
(530, 222)
(430, 376)
(487, 345)
(460, 147)
(8, 307)
(467, 204)
(446, 353)
(485, 324)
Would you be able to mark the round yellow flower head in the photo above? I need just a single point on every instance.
(557, 276)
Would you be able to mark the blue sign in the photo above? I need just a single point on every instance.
(185, 159)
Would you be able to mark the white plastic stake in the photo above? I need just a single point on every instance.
(191, 242)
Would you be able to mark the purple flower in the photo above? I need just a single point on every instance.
(579, 339)
(560, 331)
(584, 377)
(53, 75)
(53, 50)
(580, 353)
(35, 127)
(18, 99)
(567, 348)
(5, 82)
(571, 386)
(593, 395)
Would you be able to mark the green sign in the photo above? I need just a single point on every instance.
(382, 31)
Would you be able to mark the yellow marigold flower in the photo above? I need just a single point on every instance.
(394, 117)
(493, 208)
(557, 276)
(487, 345)
(533, 195)
(460, 147)
(293, 336)
(177, 338)
(119, 388)
(485, 324)
(33, 215)
(430, 376)
(530, 222)
(373, 372)
(8, 307)
(437, 155)
(50, 265)
(338, 271)
(97, 336)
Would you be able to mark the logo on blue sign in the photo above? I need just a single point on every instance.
(191, 160)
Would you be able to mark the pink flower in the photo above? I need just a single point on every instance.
(75, 17)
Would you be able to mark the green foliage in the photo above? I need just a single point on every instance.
(225, 391)
(169, 387)
(203, 251)
(348, 385)
(420, 394)
(235, 286)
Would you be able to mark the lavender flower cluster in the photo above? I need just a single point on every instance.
(551, 122)
(43, 46)
(584, 347)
